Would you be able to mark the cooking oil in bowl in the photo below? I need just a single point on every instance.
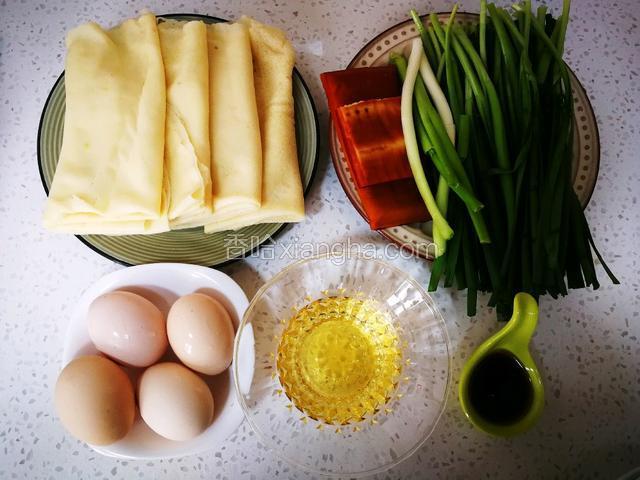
(339, 359)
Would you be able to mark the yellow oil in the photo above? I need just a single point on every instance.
(339, 359)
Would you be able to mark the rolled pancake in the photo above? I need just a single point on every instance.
(110, 175)
(236, 153)
(187, 151)
(282, 195)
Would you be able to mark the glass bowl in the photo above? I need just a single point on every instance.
(405, 415)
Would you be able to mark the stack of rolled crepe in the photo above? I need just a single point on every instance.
(187, 145)
(110, 177)
(176, 125)
(279, 180)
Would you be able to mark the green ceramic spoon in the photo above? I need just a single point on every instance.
(514, 337)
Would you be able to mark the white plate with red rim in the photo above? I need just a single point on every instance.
(586, 142)
(162, 284)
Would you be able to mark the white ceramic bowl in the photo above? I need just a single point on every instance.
(162, 284)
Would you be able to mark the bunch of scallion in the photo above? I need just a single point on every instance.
(491, 106)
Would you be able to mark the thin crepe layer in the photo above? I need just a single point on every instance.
(110, 175)
(236, 153)
(187, 150)
(282, 195)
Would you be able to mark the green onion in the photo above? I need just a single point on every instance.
(499, 133)
(410, 140)
(483, 31)
(446, 159)
(424, 36)
(446, 151)
(442, 193)
(512, 151)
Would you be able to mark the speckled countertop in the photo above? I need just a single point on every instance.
(587, 345)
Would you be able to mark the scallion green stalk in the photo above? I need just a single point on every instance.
(483, 30)
(411, 144)
(441, 104)
(446, 159)
(499, 133)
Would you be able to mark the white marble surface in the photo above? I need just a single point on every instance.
(587, 344)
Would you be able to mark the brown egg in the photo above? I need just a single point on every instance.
(174, 401)
(128, 328)
(201, 333)
(94, 400)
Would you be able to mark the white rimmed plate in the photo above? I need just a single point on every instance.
(586, 143)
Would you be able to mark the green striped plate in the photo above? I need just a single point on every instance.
(191, 245)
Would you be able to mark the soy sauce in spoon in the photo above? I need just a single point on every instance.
(500, 388)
